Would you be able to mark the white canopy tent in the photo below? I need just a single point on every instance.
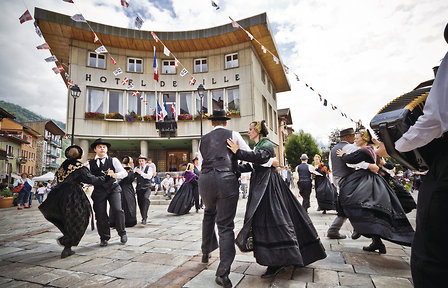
(45, 177)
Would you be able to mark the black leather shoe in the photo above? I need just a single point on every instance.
(336, 236)
(223, 281)
(103, 243)
(144, 221)
(373, 247)
(272, 271)
(67, 252)
(123, 238)
(205, 257)
(355, 235)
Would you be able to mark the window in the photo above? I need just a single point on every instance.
(94, 101)
(96, 60)
(115, 102)
(233, 99)
(204, 103)
(231, 60)
(200, 65)
(135, 65)
(270, 116)
(134, 104)
(169, 99)
(185, 105)
(217, 99)
(151, 108)
(168, 67)
(263, 76)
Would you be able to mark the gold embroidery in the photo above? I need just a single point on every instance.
(62, 173)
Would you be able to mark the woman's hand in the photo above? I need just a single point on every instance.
(232, 146)
(111, 173)
(340, 153)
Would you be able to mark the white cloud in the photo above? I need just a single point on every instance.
(358, 54)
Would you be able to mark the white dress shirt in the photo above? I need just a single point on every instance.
(434, 121)
(119, 170)
(147, 175)
(237, 139)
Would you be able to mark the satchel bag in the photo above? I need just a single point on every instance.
(18, 188)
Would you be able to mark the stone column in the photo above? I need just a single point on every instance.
(194, 147)
(144, 147)
(84, 144)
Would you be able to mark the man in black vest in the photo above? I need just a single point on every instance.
(219, 188)
(143, 174)
(304, 171)
(108, 191)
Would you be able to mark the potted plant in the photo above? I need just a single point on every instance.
(6, 198)
(94, 115)
(114, 116)
(204, 116)
(233, 113)
(132, 117)
(184, 117)
(149, 117)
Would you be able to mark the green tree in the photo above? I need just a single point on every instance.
(299, 143)
(334, 137)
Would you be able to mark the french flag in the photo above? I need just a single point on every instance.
(173, 109)
(156, 68)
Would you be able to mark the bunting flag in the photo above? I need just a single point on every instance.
(135, 93)
(38, 32)
(154, 65)
(117, 72)
(130, 87)
(138, 22)
(263, 48)
(43, 46)
(183, 72)
(100, 50)
(275, 59)
(250, 36)
(124, 3)
(320, 97)
(79, 18)
(325, 102)
(125, 80)
(215, 5)
(51, 59)
(69, 1)
(95, 38)
(192, 81)
(173, 110)
(55, 70)
(286, 68)
(234, 23)
(310, 86)
(70, 83)
(113, 61)
(25, 17)
(166, 51)
(66, 75)
(176, 63)
(297, 77)
(60, 68)
(155, 36)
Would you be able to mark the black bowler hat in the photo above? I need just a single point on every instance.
(219, 114)
(346, 132)
(73, 146)
(98, 142)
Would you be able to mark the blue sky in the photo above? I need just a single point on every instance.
(357, 54)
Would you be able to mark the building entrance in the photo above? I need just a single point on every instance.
(177, 160)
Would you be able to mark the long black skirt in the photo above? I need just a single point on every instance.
(325, 194)
(183, 200)
(373, 208)
(282, 231)
(128, 204)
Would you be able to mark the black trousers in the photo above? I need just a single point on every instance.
(100, 197)
(305, 192)
(196, 198)
(429, 257)
(219, 191)
(143, 201)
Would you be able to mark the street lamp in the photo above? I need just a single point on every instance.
(201, 91)
(76, 92)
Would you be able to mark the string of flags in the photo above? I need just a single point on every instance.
(138, 24)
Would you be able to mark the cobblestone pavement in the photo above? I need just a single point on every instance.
(166, 253)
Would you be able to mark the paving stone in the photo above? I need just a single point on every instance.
(169, 244)
(99, 266)
(245, 257)
(282, 283)
(133, 241)
(332, 266)
(10, 271)
(93, 282)
(381, 281)
(303, 274)
(255, 269)
(4, 280)
(7, 250)
(124, 283)
(139, 270)
(355, 280)
(66, 263)
(20, 284)
(206, 279)
(163, 259)
(71, 278)
(382, 264)
(325, 276)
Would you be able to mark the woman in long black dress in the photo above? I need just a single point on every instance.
(276, 226)
(128, 202)
(185, 197)
(67, 206)
(370, 203)
(325, 194)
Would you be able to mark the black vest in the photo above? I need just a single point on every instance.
(215, 153)
(142, 183)
(304, 173)
(338, 167)
(95, 170)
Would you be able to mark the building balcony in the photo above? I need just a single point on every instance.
(53, 154)
(52, 165)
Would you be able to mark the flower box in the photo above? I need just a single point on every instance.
(94, 115)
(184, 117)
(233, 113)
(132, 117)
(149, 118)
(114, 116)
(204, 116)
